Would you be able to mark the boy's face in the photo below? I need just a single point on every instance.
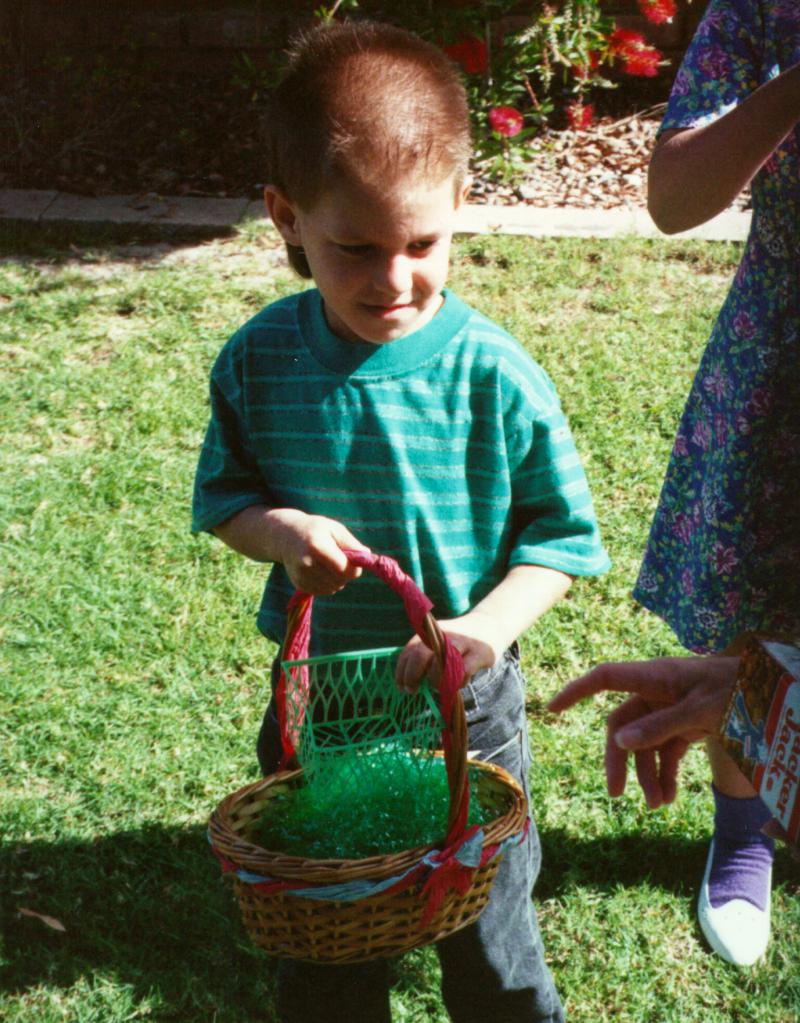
(378, 257)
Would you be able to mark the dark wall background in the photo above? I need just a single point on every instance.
(204, 33)
(162, 96)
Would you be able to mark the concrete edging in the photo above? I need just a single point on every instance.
(170, 216)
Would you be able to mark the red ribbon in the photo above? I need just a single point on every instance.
(224, 863)
(450, 875)
(297, 650)
(271, 887)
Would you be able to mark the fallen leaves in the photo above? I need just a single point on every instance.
(48, 921)
(601, 166)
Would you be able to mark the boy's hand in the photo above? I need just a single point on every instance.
(312, 554)
(481, 635)
(308, 546)
(475, 635)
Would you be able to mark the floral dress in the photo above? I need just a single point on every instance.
(723, 555)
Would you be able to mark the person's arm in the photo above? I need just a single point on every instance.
(482, 634)
(695, 173)
(310, 547)
(676, 701)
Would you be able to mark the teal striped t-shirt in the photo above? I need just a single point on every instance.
(446, 449)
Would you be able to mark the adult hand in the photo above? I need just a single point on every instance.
(676, 701)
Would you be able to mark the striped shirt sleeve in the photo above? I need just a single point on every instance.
(227, 479)
(554, 519)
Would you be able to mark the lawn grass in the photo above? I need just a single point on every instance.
(133, 679)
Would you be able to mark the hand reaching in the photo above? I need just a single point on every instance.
(676, 701)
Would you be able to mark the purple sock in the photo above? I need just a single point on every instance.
(742, 855)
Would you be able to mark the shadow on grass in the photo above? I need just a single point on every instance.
(671, 863)
(149, 907)
(608, 862)
(59, 244)
(52, 239)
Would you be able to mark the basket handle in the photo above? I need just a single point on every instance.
(451, 667)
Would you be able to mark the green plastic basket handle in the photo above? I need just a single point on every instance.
(451, 674)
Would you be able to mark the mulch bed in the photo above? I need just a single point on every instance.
(599, 167)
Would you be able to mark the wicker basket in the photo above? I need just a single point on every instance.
(390, 921)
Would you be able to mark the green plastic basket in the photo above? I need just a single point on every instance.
(349, 705)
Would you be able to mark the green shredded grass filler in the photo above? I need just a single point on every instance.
(364, 804)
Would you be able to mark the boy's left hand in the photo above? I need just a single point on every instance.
(482, 634)
(476, 637)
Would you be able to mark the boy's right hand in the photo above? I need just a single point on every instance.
(312, 553)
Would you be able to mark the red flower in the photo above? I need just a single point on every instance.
(638, 58)
(471, 54)
(622, 39)
(580, 115)
(506, 121)
(644, 65)
(583, 71)
(658, 11)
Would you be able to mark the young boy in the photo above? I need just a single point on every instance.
(378, 410)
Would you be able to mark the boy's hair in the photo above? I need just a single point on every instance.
(364, 101)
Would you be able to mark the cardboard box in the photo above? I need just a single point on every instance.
(761, 726)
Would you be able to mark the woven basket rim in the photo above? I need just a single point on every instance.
(243, 853)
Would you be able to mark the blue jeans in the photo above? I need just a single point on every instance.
(493, 971)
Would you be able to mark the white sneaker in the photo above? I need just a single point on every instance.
(737, 930)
